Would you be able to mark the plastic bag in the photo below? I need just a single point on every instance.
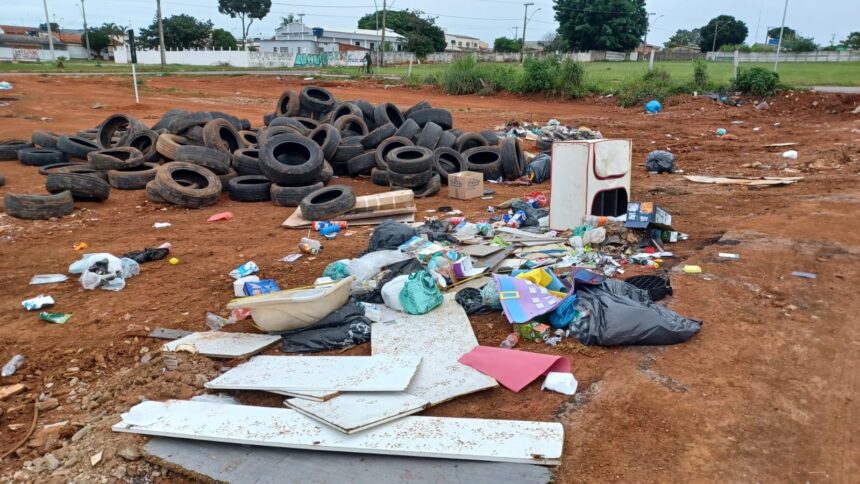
(105, 271)
(594, 237)
(563, 383)
(389, 235)
(391, 292)
(337, 270)
(342, 328)
(490, 295)
(539, 168)
(370, 264)
(148, 254)
(660, 161)
(472, 301)
(420, 294)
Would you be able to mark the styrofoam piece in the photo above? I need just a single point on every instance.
(318, 373)
(352, 412)
(440, 338)
(436, 437)
(219, 344)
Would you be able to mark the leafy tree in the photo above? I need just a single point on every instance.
(852, 41)
(99, 40)
(287, 20)
(601, 24)
(735, 47)
(221, 39)
(245, 10)
(55, 27)
(553, 42)
(422, 34)
(180, 32)
(683, 38)
(729, 30)
(799, 44)
(504, 44)
(787, 34)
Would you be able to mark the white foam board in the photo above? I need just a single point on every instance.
(319, 396)
(321, 373)
(220, 344)
(437, 437)
(353, 412)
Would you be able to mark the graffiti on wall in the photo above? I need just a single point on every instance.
(27, 55)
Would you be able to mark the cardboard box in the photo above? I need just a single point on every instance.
(533, 331)
(384, 201)
(645, 215)
(466, 185)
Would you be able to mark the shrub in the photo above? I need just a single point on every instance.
(462, 77)
(758, 81)
(571, 79)
(700, 74)
(655, 84)
(540, 75)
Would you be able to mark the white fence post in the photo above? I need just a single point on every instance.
(651, 61)
(736, 64)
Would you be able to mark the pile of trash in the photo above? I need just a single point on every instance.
(190, 158)
(545, 135)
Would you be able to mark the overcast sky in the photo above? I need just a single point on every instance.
(486, 19)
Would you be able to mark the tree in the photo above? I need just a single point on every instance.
(113, 30)
(287, 20)
(788, 33)
(180, 32)
(55, 27)
(852, 41)
(799, 44)
(99, 40)
(422, 35)
(729, 30)
(221, 39)
(601, 24)
(553, 42)
(683, 38)
(504, 44)
(245, 10)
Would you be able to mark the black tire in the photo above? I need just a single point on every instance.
(145, 141)
(456, 132)
(491, 137)
(2, 180)
(512, 158)
(327, 203)
(55, 167)
(327, 138)
(195, 134)
(76, 146)
(388, 145)
(309, 123)
(167, 145)
(249, 188)
(9, 148)
(226, 177)
(339, 168)
(244, 124)
(247, 161)
(430, 188)
(291, 196)
(41, 156)
(467, 141)
(442, 117)
(447, 161)
(417, 107)
(114, 124)
(316, 99)
(429, 135)
(265, 135)
(367, 112)
(379, 177)
(409, 159)
(208, 185)
(290, 122)
(351, 123)
(166, 118)
(362, 164)
(544, 143)
(38, 207)
(82, 187)
(153, 192)
(249, 138)
(446, 140)
(220, 134)
(115, 158)
(81, 168)
(345, 109)
(346, 152)
(327, 173)
(91, 134)
(134, 178)
(288, 104)
(486, 160)
(233, 120)
(216, 160)
(388, 113)
(408, 130)
(290, 160)
(267, 118)
(409, 180)
(183, 121)
(45, 139)
(378, 135)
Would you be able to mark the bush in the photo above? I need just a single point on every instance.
(552, 76)
(700, 74)
(571, 79)
(467, 76)
(655, 84)
(758, 81)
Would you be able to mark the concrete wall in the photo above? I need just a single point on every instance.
(30, 55)
(590, 56)
(848, 56)
(248, 59)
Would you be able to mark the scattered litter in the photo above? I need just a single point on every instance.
(12, 365)
(721, 132)
(805, 275)
(217, 344)
(514, 369)
(38, 302)
(653, 107)
(173, 261)
(80, 246)
(243, 270)
(729, 255)
(762, 106)
(790, 155)
(660, 162)
(220, 216)
(48, 278)
(692, 269)
(745, 180)
(309, 246)
(161, 225)
(148, 254)
(239, 285)
(559, 382)
(5, 86)
(215, 322)
(57, 318)
(104, 270)
(291, 258)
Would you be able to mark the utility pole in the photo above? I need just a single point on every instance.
(50, 35)
(525, 21)
(301, 17)
(716, 29)
(779, 43)
(516, 31)
(161, 35)
(647, 30)
(86, 30)
(382, 46)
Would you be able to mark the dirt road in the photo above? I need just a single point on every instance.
(767, 392)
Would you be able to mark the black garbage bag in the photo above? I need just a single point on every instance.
(147, 255)
(473, 302)
(388, 273)
(342, 328)
(533, 215)
(619, 313)
(389, 235)
(539, 168)
(436, 231)
(660, 161)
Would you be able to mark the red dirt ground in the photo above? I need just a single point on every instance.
(767, 392)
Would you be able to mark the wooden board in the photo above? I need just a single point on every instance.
(314, 396)
(219, 344)
(439, 437)
(407, 214)
(266, 465)
(480, 250)
(440, 337)
(352, 412)
(321, 373)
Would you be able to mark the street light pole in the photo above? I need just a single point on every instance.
(525, 21)
(779, 43)
(716, 29)
(161, 35)
(50, 35)
(381, 59)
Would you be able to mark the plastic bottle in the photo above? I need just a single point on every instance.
(510, 341)
(309, 246)
(12, 366)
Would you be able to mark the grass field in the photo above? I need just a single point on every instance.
(606, 75)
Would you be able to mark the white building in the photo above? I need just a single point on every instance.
(298, 38)
(463, 43)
